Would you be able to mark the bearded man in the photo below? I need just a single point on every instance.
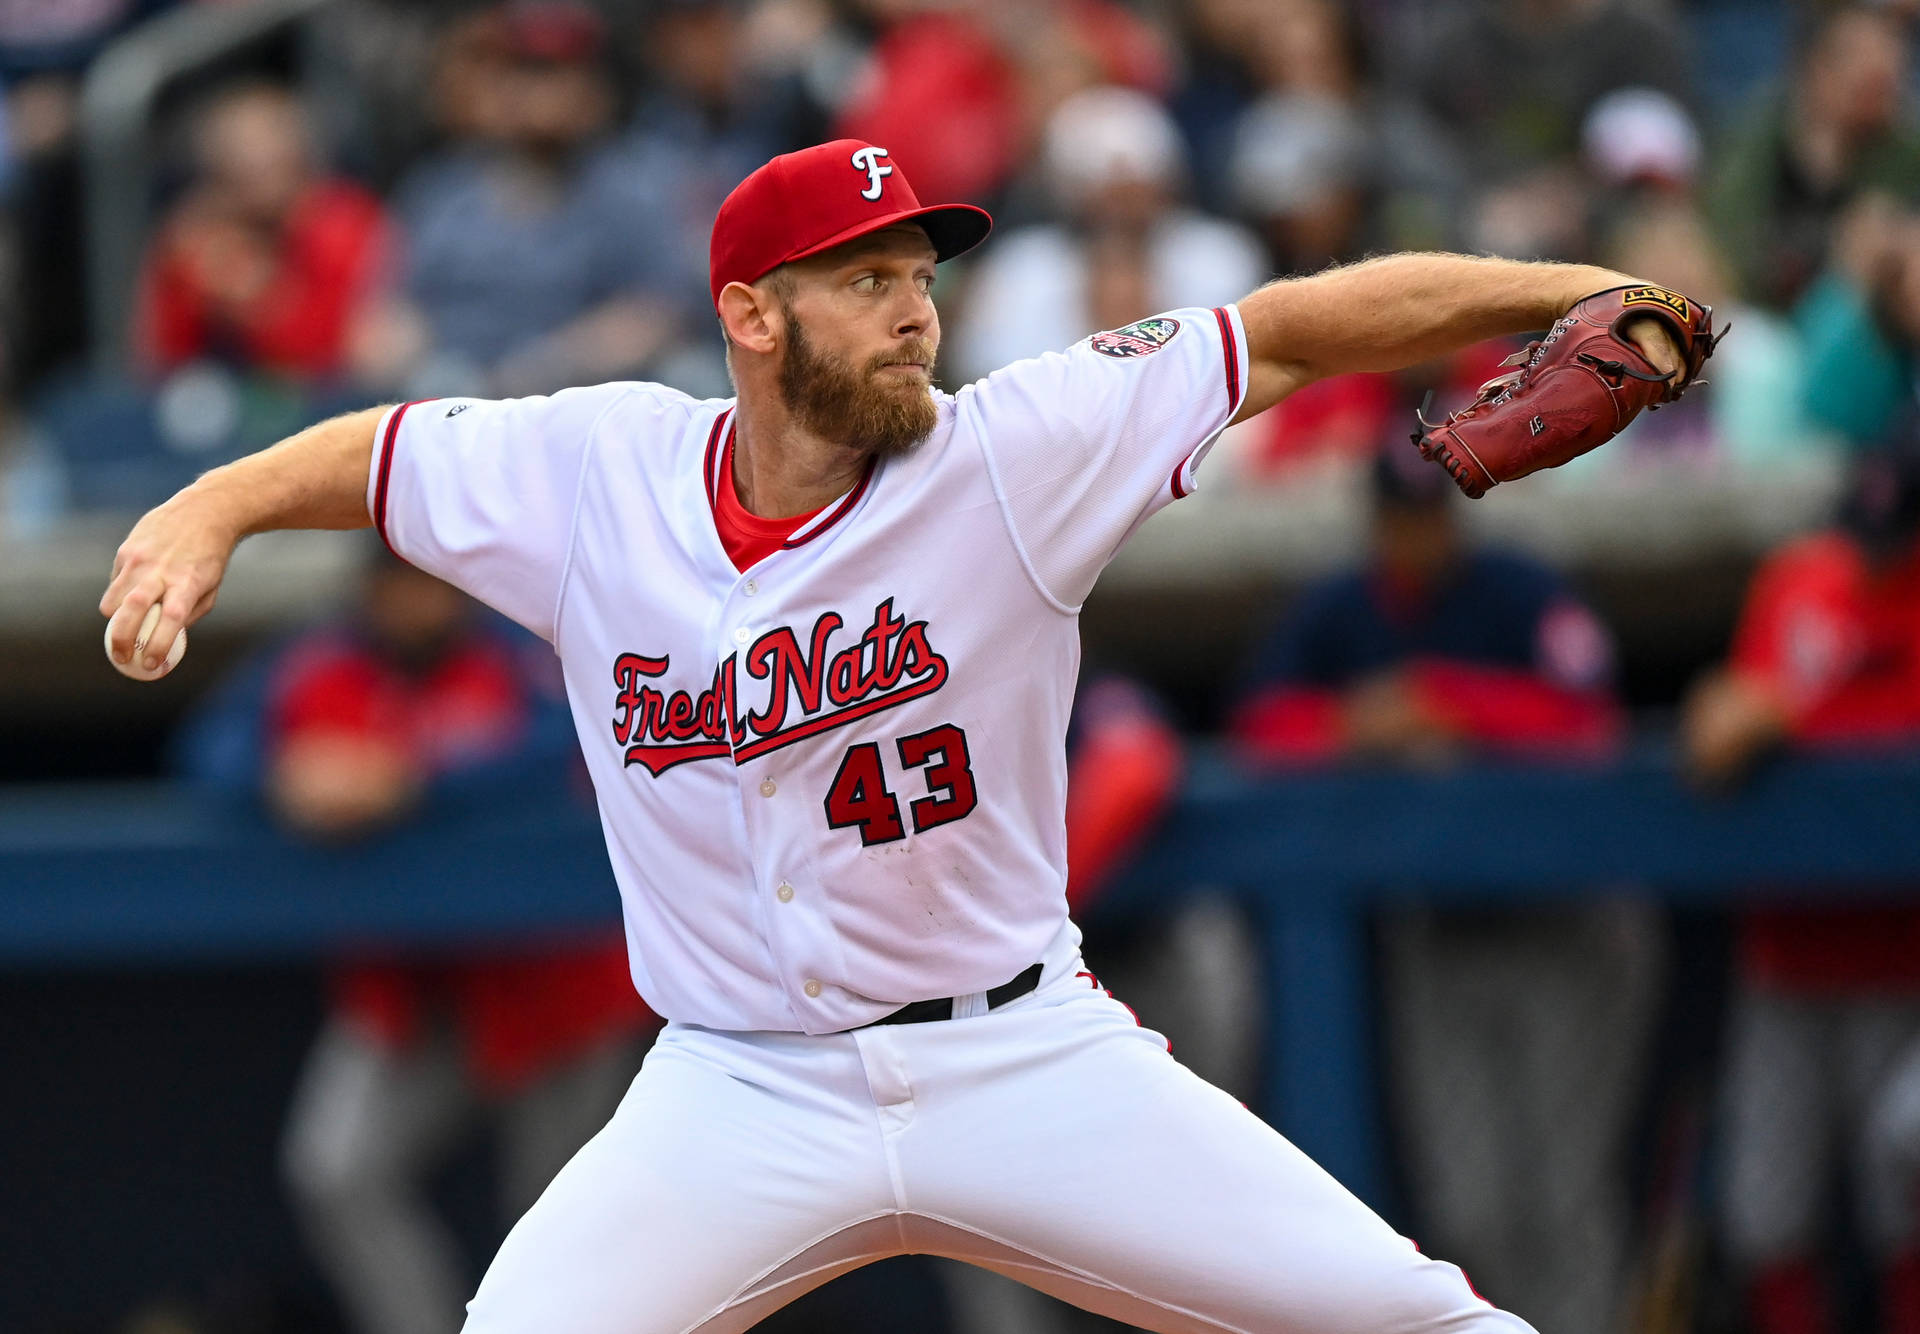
(820, 643)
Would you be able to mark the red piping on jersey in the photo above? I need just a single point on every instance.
(386, 471)
(1230, 353)
(714, 482)
(840, 511)
(713, 450)
(1094, 982)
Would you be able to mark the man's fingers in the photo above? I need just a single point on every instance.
(1656, 343)
(125, 571)
(126, 622)
(174, 609)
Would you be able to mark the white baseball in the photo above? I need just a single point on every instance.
(136, 668)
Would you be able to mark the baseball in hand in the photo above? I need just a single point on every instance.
(137, 669)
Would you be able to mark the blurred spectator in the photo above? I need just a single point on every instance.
(1514, 78)
(712, 108)
(1516, 1037)
(51, 37)
(1861, 320)
(1192, 972)
(45, 48)
(1217, 82)
(1328, 161)
(347, 732)
(1747, 411)
(1827, 655)
(1126, 246)
(1642, 155)
(997, 71)
(1641, 137)
(525, 260)
(1300, 171)
(946, 58)
(1838, 130)
(1545, 212)
(705, 119)
(263, 262)
(366, 66)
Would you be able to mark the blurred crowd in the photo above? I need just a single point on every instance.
(421, 199)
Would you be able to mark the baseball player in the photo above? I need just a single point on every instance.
(820, 642)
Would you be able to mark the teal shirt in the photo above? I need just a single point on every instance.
(1857, 379)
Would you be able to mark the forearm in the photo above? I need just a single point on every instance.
(1396, 311)
(177, 554)
(315, 479)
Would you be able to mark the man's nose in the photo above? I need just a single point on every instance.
(915, 315)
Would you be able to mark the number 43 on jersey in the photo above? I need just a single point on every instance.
(860, 798)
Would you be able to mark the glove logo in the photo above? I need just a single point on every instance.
(1136, 340)
(868, 160)
(1536, 426)
(1657, 296)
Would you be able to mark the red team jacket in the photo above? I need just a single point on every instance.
(1839, 650)
(1499, 650)
(518, 1012)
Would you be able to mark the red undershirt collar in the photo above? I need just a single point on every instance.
(748, 538)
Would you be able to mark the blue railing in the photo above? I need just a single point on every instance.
(142, 874)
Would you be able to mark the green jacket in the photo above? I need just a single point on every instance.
(1772, 226)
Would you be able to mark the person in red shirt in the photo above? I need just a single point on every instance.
(355, 726)
(1515, 1034)
(1192, 970)
(1826, 655)
(263, 262)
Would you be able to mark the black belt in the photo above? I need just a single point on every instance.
(920, 1012)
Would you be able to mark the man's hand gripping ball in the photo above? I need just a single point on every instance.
(1573, 390)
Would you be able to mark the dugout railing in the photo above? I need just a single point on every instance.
(139, 875)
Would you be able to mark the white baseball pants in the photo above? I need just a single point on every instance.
(1052, 1140)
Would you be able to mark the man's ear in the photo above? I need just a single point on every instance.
(750, 317)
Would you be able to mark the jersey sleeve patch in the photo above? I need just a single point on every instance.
(1139, 339)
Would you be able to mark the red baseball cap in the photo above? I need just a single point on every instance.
(802, 203)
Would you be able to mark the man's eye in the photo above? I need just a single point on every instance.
(866, 282)
(926, 283)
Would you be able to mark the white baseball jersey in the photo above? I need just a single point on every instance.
(834, 783)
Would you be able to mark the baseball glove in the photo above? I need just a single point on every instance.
(1571, 391)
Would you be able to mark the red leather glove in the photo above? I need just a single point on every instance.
(1571, 391)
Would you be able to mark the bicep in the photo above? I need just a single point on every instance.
(1268, 382)
(1287, 322)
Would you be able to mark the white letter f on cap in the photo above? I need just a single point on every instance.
(868, 160)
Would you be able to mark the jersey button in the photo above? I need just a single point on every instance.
(812, 988)
(784, 893)
(751, 588)
(767, 788)
(742, 635)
